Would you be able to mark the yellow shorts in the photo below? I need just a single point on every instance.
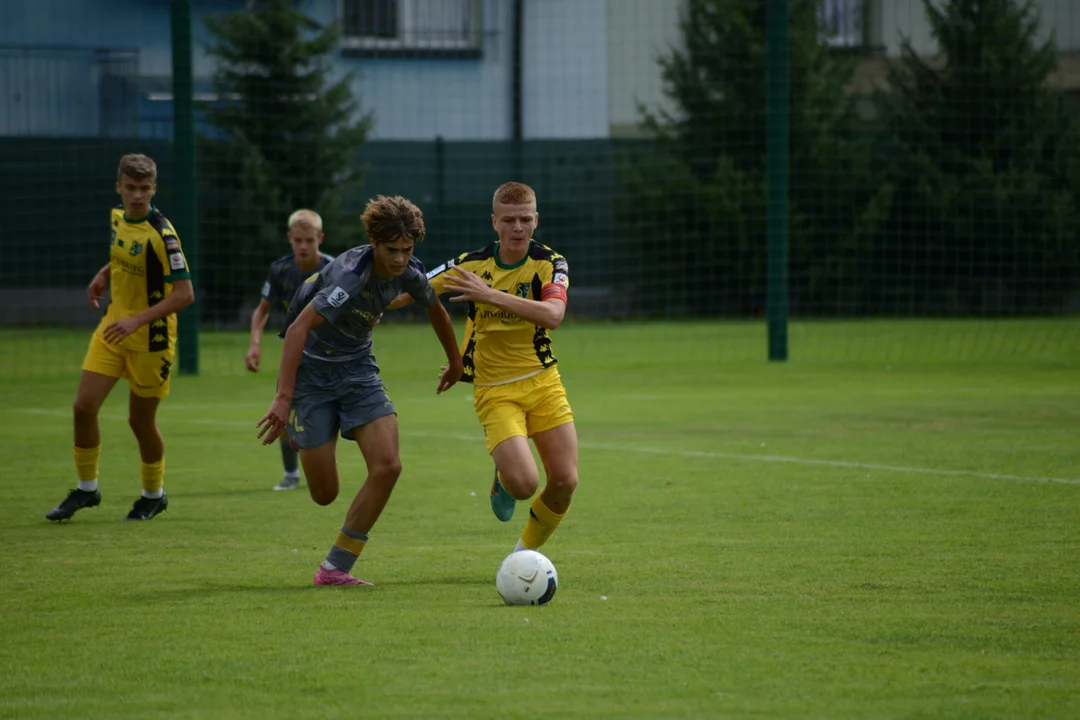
(525, 407)
(147, 372)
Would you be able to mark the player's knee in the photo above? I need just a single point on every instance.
(83, 408)
(563, 482)
(521, 486)
(322, 495)
(386, 470)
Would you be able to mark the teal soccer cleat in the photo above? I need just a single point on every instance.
(502, 503)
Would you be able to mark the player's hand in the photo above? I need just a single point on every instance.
(120, 329)
(96, 289)
(471, 286)
(376, 321)
(252, 359)
(449, 376)
(273, 422)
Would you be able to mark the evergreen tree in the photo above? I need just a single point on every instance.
(701, 194)
(287, 134)
(984, 175)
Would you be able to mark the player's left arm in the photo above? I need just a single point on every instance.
(547, 312)
(182, 295)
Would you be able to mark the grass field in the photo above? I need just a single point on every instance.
(887, 526)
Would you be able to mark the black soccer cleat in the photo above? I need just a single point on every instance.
(148, 508)
(76, 500)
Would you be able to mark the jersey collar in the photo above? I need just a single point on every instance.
(142, 219)
(519, 263)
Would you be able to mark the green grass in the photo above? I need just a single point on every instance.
(887, 526)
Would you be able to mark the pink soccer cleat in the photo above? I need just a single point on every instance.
(337, 577)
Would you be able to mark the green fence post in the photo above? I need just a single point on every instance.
(777, 100)
(184, 197)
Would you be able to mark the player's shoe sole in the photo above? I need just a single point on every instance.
(76, 500)
(502, 502)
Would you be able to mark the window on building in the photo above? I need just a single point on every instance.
(842, 23)
(423, 27)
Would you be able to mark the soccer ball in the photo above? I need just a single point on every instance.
(526, 578)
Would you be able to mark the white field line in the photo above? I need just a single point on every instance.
(742, 457)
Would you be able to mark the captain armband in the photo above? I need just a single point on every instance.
(553, 290)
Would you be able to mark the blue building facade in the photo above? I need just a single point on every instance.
(103, 68)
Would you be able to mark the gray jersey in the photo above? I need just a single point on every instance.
(285, 276)
(351, 296)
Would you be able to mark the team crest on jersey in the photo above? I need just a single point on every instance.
(136, 248)
(523, 290)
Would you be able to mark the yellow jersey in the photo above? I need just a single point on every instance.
(145, 259)
(500, 347)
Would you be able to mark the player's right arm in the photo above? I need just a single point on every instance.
(258, 324)
(273, 422)
(97, 285)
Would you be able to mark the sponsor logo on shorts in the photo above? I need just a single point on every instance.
(337, 297)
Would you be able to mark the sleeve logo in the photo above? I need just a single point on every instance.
(176, 261)
(266, 289)
(337, 297)
(561, 279)
(442, 268)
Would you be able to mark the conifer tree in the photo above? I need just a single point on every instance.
(983, 179)
(286, 134)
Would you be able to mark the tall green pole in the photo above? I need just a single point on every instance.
(184, 170)
(777, 101)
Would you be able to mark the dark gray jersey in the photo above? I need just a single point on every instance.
(351, 296)
(285, 276)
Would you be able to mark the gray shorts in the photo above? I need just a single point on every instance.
(334, 397)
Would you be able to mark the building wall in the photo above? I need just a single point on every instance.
(907, 19)
(639, 32)
(468, 98)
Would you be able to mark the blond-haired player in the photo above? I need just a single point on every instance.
(149, 282)
(287, 273)
(516, 289)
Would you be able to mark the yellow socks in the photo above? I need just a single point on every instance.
(541, 523)
(86, 466)
(153, 478)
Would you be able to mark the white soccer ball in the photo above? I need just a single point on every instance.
(526, 578)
